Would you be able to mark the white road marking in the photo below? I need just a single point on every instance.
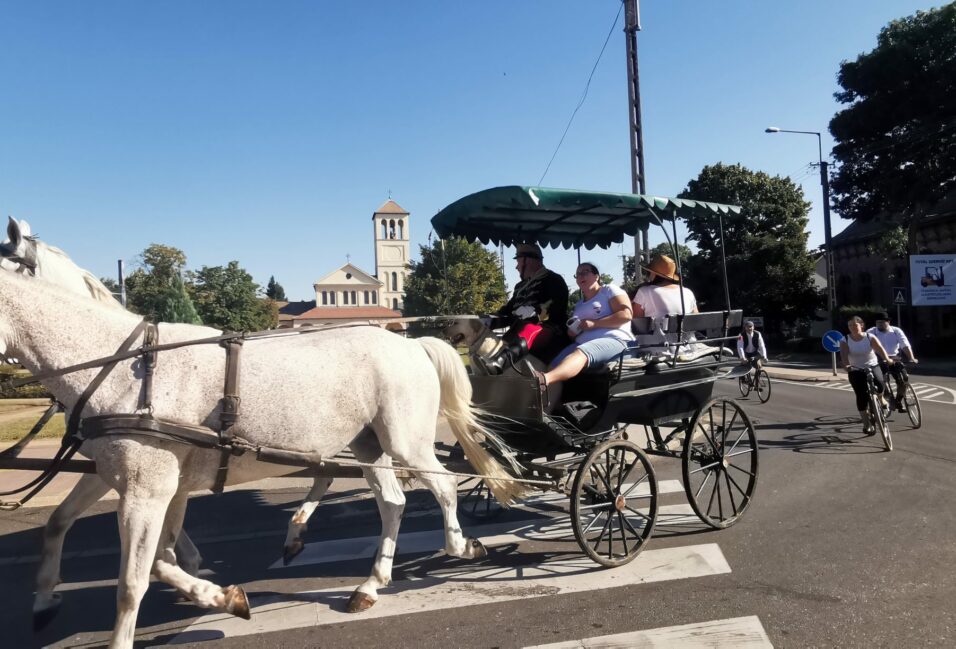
(462, 586)
(925, 391)
(732, 632)
(492, 534)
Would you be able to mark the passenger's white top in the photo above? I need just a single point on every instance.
(659, 301)
(893, 339)
(599, 307)
(861, 353)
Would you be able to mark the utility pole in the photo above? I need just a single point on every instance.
(632, 25)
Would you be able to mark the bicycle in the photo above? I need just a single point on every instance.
(757, 380)
(874, 407)
(910, 402)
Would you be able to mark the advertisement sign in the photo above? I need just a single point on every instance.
(933, 279)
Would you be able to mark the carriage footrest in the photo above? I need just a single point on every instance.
(572, 435)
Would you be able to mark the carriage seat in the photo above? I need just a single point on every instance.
(712, 323)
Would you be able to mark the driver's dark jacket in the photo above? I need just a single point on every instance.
(547, 292)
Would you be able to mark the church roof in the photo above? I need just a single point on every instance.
(348, 313)
(359, 277)
(390, 207)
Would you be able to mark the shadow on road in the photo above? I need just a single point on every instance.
(827, 434)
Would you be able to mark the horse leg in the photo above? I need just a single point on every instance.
(87, 491)
(299, 523)
(141, 512)
(391, 504)
(166, 568)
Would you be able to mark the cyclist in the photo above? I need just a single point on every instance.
(750, 346)
(859, 351)
(898, 346)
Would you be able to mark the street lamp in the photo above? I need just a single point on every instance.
(827, 256)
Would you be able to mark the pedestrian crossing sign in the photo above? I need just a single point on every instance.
(899, 295)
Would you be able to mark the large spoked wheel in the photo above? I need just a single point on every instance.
(762, 386)
(911, 403)
(743, 384)
(879, 420)
(614, 503)
(475, 501)
(720, 463)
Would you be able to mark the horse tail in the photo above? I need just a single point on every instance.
(456, 406)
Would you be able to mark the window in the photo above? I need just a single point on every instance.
(384, 234)
(394, 281)
(325, 297)
(366, 297)
(391, 229)
(374, 297)
(354, 301)
(345, 297)
(332, 297)
(401, 230)
(395, 303)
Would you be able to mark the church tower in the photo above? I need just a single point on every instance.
(390, 224)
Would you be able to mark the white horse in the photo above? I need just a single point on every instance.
(377, 392)
(24, 253)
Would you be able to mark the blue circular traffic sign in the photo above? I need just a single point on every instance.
(831, 340)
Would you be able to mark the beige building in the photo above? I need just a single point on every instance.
(390, 226)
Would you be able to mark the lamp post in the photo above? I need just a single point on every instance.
(827, 256)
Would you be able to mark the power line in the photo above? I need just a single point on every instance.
(584, 95)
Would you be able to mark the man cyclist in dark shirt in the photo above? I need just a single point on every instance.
(541, 297)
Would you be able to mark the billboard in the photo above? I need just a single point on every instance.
(933, 279)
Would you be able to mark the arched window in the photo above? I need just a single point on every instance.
(391, 229)
(374, 297)
(345, 297)
(384, 234)
(395, 303)
(394, 281)
(401, 229)
(325, 297)
(354, 300)
(332, 297)
(366, 297)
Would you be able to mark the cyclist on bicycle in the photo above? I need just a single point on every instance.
(859, 351)
(750, 346)
(898, 346)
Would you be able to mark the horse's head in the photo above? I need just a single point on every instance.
(24, 253)
(19, 252)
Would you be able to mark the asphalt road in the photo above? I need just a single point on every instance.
(845, 545)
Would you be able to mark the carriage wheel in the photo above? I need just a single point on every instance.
(743, 384)
(720, 462)
(475, 501)
(614, 502)
(762, 386)
(911, 403)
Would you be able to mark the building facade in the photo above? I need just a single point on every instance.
(390, 226)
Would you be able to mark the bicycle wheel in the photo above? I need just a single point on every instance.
(876, 413)
(743, 384)
(911, 403)
(762, 386)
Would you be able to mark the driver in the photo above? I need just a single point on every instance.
(540, 298)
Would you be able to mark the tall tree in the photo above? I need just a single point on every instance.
(896, 139)
(227, 297)
(149, 284)
(274, 290)
(769, 270)
(175, 305)
(454, 277)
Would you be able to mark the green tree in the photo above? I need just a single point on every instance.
(768, 268)
(631, 280)
(454, 277)
(176, 305)
(148, 286)
(274, 290)
(227, 297)
(896, 138)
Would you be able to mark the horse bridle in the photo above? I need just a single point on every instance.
(27, 261)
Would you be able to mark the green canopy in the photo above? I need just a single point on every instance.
(561, 217)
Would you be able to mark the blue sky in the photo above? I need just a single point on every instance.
(268, 132)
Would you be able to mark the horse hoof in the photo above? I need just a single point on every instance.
(359, 602)
(291, 551)
(236, 602)
(478, 550)
(45, 613)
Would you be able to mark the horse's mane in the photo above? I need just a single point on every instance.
(97, 289)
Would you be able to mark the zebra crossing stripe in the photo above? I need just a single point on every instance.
(463, 584)
(731, 632)
(538, 528)
(930, 395)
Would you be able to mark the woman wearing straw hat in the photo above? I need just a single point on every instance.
(661, 296)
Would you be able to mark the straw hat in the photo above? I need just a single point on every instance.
(664, 266)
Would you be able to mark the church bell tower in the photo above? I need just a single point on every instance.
(390, 225)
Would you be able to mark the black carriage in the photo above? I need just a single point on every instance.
(595, 444)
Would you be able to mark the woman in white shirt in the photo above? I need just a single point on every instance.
(600, 326)
(859, 351)
(661, 296)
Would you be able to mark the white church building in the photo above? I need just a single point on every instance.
(349, 294)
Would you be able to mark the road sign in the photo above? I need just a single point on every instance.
(899, 295)
(831, 340)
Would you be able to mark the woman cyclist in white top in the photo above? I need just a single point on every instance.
(858, 351)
